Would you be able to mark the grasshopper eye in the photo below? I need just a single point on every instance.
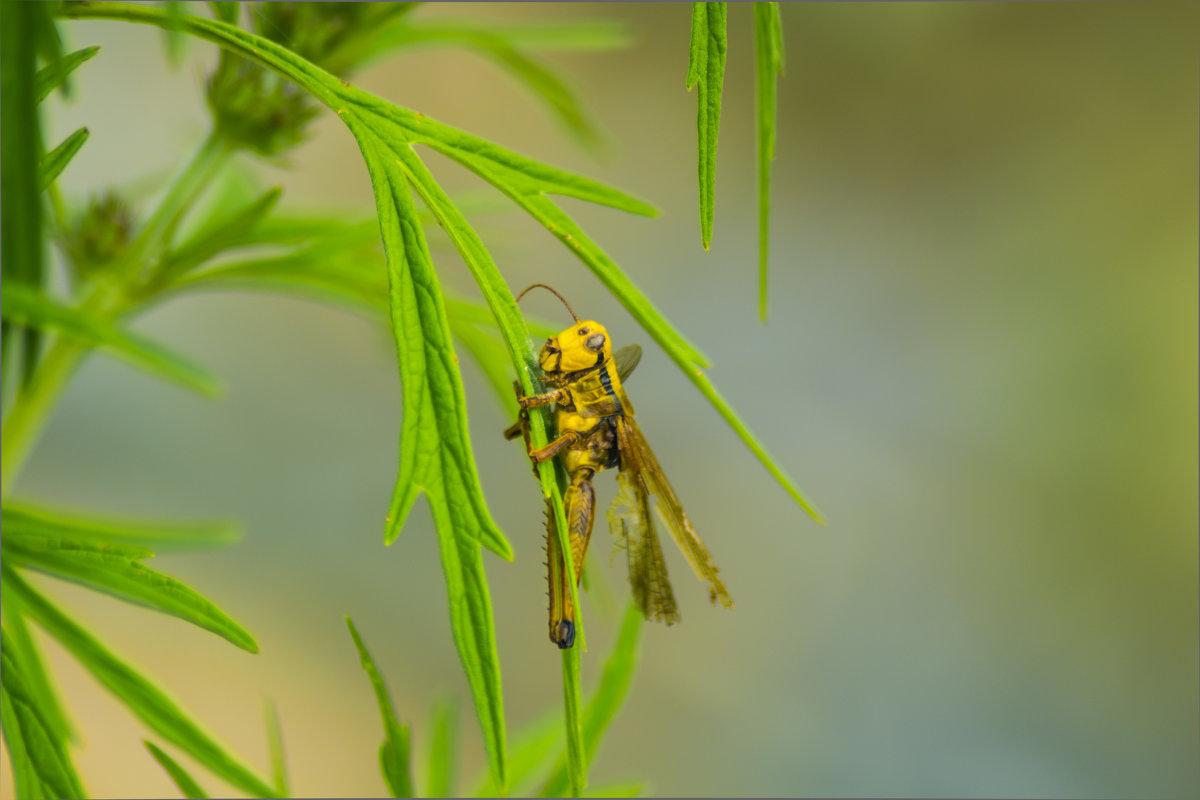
(584, 331)
(595, 342)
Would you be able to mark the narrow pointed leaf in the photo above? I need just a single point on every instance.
(219, 235)
(179, 776)
(41, 764)
(54, 162)
(443, 751)
(141, 696)
(706, 71)
(26, 652)
(17, 517)
(396, 753)
(573, 775)
(768, 42)
(529, 756)
(606, 699)
(115, 569)
(275, 747)
(51, 76)
(30, 308)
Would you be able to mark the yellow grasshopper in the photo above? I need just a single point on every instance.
(594, 430)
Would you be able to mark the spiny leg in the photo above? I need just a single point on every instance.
(579, 503)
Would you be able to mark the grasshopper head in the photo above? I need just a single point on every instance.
(581, 346)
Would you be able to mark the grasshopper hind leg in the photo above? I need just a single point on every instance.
(579, 503)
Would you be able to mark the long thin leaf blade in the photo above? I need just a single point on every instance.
(28, 307)
(142, 697)
(768, 44)
(574, 770)
(396, 753)
(41, 764)
(158, 535)
(606, 699)
(51, 76)
(442, 771)
(275, 748)
(54, 162)
(115, 569)
(220, 234)
(183, 781)
(27, 653)
(706, 71)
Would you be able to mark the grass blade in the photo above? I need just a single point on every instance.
(395, 755)
(275, 748)
(25, 651)
(706, 71)
(142, 697)
(605, 702)
(114, 569)
(28, 307)
(179, 776)
(443, 751)
(41, 765)
(54, 162)
(51, 76)
(25, 519)
(768, 44)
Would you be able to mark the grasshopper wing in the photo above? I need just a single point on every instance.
(647, 478)
(630, 520)
(627, 358)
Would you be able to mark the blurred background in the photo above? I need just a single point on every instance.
(981, 363)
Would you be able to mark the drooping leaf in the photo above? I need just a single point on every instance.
(22, 518)
(54, 162)
(442, 770)
(706, 71)
(606, 699)
(26, 307)
(51, 76)
(141, 696)
(186, 784)
(115, 569)
(768, 43)
(38, 754)
(275, 747)
(395, 755)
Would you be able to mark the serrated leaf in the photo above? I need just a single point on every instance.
(605, 701)
(26, 307)
(115, 569)
(706, 72)
(50, 77)
(768, 44)
(443, 751)
(18, 517)
(54, 162)
(41, 765)
(186, 784)
(395, 755)
(141, 696)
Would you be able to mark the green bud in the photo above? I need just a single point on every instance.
(101, 234)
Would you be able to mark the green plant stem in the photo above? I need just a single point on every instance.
(34, 404)
(572, 706)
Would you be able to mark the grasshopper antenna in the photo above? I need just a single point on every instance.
(556, 294)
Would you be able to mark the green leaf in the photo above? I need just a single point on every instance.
(28, 307)
(443, 751)
(528, 755)
(173, 39)
(142, 697)
(573, 35)
(18, 517)
(183, 781)
(225, 10)
(275, 747)
(573, 775)
(218, 235)
(605, 702)
(114, 569)
(21, 249)
(54, 162)
(492, 43)
(768, 43)
(706, 71)
(25, 651)
(37, 752)
(50, 77)
(395, 756)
